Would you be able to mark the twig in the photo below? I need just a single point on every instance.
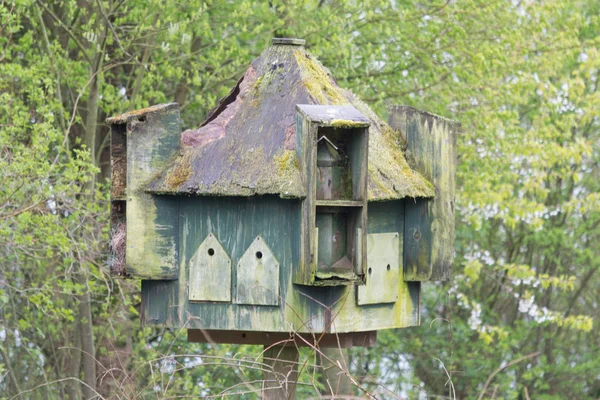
(497, 371)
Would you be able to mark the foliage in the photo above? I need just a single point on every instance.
(520, 76)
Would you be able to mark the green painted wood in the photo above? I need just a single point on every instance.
(152, 222)
(336, 308)
(331, 244)
(331, 171)
(339, 203)
(210, 272)
(358, 265)
(389, 217)
(308, 309)
(429, 229)
(383, 273)
(236, 222)
(418, 264)
(332, 239)
(306, 134)
(258, 276)
(359, 161)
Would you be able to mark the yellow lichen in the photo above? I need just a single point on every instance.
(282, 160)
(123, 118)
(316, 80)
(180, 172)
(346, 124)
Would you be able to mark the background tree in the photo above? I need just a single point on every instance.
(515, 321)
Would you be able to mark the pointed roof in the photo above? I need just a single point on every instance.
(247, 145)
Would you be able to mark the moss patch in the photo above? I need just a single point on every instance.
(346, 124)
(180, 173)
(317, 81)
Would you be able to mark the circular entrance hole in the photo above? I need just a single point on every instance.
(388, 267)
(259, 255)
(211, 252)
(370, 270)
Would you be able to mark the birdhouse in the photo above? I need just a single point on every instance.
(292, 210)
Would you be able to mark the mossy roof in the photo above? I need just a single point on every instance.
(247, 145)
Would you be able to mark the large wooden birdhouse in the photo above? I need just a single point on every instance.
(292, 209)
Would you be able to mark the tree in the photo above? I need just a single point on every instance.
(519, 76)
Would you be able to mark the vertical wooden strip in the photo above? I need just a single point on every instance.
(306, 137)
(118, 204)
(429, 227)
(118, 161)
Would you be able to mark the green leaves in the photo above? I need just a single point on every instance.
(521, 77)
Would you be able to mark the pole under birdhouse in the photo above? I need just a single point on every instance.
(281, 372)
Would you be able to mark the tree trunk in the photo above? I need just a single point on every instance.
(182, 88)
(72, 387)
(87, 347)
(85, 310)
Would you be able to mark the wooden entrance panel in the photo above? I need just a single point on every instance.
(258, 276)
(210, 272)
(383, 272)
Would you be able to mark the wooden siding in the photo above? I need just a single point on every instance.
(429, 230)
(236, 222)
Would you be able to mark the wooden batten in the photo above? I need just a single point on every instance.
(142, 142)
(319, 340)
(118, 202)
(429, 223)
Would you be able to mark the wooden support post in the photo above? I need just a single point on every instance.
(280, 380)
(337, 383)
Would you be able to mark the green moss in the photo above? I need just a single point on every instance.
(346, 124)
(263, 84)
(283, 161)
(393, 135)
(346, 184)
(288, 172)
(180, 172)
(317, 81)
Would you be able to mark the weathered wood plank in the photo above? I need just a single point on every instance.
(258, 276)
(236, 222)
(327, 340)
(429, 229)
(210, 272)
(306, 139)
(118, 161)
(152, 221)
(383, 273)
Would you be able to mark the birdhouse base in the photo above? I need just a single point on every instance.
(321, 340)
